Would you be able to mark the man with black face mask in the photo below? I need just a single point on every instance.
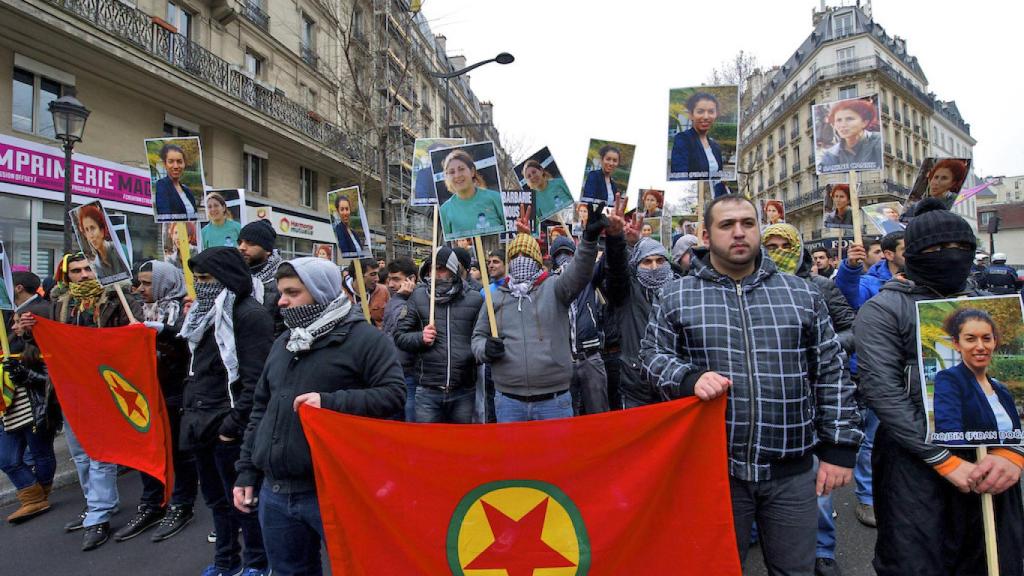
(928, 519)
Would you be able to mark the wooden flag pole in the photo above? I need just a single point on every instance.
(433, 267)
(487, 290)
(124, 303)
(185, 253)
(855, 206)
(989, 519)
(701, 192)
(357, 264)
(5, 344)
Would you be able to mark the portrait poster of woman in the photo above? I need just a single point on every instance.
(325, 251)
(607, 171)
(177, 178)
(772, 212)
(223, 216)
(540, 174)
(423, 172)
(847, 135)
(7, 284)
(703, 131)
(838, 213)
(970, 354)
(170, 246)
(651, 202)
(940, 178)
(468, 190)
(348, 219)
(99, 243)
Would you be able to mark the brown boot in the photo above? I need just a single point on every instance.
(33, 503)
(47, 488)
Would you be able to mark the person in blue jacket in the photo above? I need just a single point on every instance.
(858, 286)
(967, 398)
(695, 154)
(599, 186)
(174, 200)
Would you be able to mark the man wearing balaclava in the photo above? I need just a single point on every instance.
(79, 299)
(926, 496)
(330, 358)
(531, 360)
(229, 334)
(444, 366)
(586, 335)
(162, 288)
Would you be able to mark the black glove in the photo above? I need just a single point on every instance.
(596, 222)
(16, 370)
(494, 349)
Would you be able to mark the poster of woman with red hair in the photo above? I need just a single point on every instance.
(939, 178)
(99, 244)
(847, 135)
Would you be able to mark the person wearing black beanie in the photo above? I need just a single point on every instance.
(256, 242)
(926, 496)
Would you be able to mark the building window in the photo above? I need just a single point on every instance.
(307, 188)
(845, 60)
(180, 18)
(255, 174)
(843, 24)
(308, 40)
(848, 92)
(31, 95)
(254, 63)
(172, 131)
(357, 24)
(985, 217)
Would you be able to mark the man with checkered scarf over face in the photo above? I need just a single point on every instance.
(737, 327)
(531, 359)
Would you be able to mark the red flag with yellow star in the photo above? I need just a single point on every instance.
(106, 381)
(641, 491)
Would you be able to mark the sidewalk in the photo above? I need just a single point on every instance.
(66, 473)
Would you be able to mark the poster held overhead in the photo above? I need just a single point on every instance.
(176, 176)
(837, 211)
(885, 216)
(468, 190)
(224, 213)
(423, 172)
(940, 178)
(348, 219)
(540, 174)
(847, 135)
(703, 131)
(325, 251)
(772, 212)
(103, 249)
(519, 204)
(607, 171)
(651, 202)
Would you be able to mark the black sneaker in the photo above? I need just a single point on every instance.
(76, 524)
(95, 536)
(147, 517)
(177, 517)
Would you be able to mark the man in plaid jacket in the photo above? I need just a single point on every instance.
(737, 326)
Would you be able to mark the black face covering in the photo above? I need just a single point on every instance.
(944, 271)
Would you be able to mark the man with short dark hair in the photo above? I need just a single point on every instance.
(376, 293)
(256, 241)
(822, 258)
(859, 286)
(874, 253)
(765, 339)
(330, 358)
(401, 283)
(496, 270)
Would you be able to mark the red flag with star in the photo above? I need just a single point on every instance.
(641, 491)
(107, 385)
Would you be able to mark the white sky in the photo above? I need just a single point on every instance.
(602, 69)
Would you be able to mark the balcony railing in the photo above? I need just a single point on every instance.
(137, 28)
(899, 154)
(865, 189)
(888, 148)
(917, 128)
(898, 116)
(796, 167)
(770, 149)
(782, 140)
(794, 134)
(783, 175)
(885, 108)
(309, 55)
(771, 181)
(254, 13)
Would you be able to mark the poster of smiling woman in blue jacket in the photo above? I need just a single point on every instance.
(703, 130)
(977, 340)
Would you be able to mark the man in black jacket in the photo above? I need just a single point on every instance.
(401, 284)
(445, 368)
(256, 241)
(329, 358)
(229, 334)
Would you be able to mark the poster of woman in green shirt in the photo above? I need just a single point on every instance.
(540, 174)
(469, 195)
(225, 210)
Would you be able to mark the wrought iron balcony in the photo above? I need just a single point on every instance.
(782, 174)
(771, 149)
(796, 167)
(888, 148)
(771, 181)
(254, 13)
(782, 140)
(309, 55)
(898, 116)
(138, 29)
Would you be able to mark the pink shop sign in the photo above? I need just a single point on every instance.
(29, 164)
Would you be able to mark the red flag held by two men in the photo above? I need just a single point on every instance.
(106, 381)
(642, 491)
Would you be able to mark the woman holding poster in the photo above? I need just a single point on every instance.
(967, 398)
(472, 210)
(552, 193)
(859, 146)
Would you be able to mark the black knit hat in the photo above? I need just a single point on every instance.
(464, 257)
(934, 224)
(260, 233)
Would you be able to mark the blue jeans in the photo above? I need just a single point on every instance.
(862, 471)
(292, 530)
(512, 410)
(436, 405)
(826, 546)
(410, 398)
(12, 456)
(784, 510)
(98, 480)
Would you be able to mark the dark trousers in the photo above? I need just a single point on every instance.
(613, 370)
(786, 510)
(293, 531)
(410, 397)
(453, 407)
(216, 466)
(589, 386)
(926, 526)
(186, 477)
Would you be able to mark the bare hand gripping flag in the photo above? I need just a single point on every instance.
(642, 491)
(106, 381)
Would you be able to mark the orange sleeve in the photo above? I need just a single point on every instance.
(948, 466)
(1010, 455)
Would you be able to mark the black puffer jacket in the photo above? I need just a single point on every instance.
(212, 404)
(354, 368)
(839, 309)
(448, 363)
(890, 380)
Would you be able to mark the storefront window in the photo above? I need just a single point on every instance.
(145, 235)
(294, 247)
(15, 230)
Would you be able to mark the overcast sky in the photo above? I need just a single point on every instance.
(602, 69)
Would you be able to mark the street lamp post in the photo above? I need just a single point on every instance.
(69, 116)
(502, 58)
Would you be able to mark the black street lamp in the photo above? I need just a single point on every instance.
(69, 116)
(502, 58)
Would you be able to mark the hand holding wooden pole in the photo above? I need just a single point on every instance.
(487, 291)
(433, 268)
(855, 206)
(185, 253)
(124, 303)
(988, 517)
(361, 288)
